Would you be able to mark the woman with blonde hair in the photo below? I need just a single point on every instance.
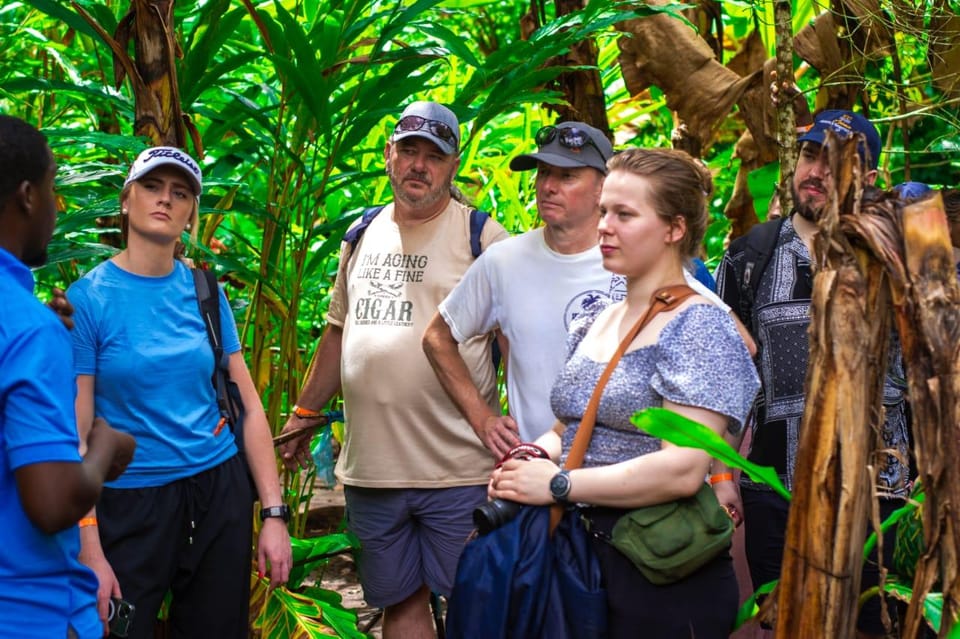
(180, 518)
(690, 360)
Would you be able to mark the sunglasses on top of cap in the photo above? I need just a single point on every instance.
(569, 136)
(418, 123)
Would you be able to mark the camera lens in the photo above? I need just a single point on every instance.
(493, 514)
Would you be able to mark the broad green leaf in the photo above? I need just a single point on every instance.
(680, 431)
(750, 608)
(932, 603)
(915, 501)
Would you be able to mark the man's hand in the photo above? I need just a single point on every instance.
(790, 90)
(122, 444)
(296, 452)
(62, 307)
(499, 434)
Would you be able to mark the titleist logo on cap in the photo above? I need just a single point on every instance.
(176, 155)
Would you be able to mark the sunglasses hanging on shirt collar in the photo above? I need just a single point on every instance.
(569, 136)
(418, 123)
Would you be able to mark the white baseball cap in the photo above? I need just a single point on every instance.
(158, 156)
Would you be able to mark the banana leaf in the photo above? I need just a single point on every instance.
(680, 431)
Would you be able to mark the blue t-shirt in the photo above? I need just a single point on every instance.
(143, 340)
(43, 587)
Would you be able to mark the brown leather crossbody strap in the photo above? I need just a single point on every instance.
(664, 299)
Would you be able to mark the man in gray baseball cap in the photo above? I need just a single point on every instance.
(567, 145)
(530, 287)
(432, 121)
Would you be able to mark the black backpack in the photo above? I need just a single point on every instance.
(229, 400)
(758, 246)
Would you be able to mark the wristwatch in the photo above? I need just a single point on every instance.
(306, 413)
(280, 512)
(560, 486)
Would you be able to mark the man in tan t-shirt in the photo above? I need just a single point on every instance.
(412, 468)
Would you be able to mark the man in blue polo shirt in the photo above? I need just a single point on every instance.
(45, 485)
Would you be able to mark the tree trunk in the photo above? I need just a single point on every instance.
(786, 118)
(849, 334)
(929, 322)
(875, 257)
(152, 71)
(157, 106)
(583, 89)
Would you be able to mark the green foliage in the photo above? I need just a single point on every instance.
(308, 614)
(294, 99)
(312, 554)
(301, 609)
(681, 431)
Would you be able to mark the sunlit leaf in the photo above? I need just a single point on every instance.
(680, 431)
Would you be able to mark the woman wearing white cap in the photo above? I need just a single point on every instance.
(180, 519)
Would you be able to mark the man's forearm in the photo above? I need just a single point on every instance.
(323, 377)
(443, 352)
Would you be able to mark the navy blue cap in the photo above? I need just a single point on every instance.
(911, 190)
(844, 124)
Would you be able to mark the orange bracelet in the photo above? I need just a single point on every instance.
(716, 479)
(87, 521)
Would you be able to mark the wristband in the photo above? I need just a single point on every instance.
(306, 413)
(87, 521)
(716, 479)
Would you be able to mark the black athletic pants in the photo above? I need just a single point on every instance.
(192, 537)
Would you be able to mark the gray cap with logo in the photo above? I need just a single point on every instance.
(432, 121)
(568, 145)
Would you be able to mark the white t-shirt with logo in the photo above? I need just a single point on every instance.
(532, 294)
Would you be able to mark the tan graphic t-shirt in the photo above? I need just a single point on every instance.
(402, 430)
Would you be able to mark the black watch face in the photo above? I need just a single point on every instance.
(280, 512)
(560, 486)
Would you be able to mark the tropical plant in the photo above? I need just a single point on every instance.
(289, 102)
(681, 431)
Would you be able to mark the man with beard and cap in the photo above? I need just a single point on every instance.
(412, 468)
(773, 301)
(46, 485)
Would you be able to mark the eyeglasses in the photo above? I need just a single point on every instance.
(417, 123)
(569, 136)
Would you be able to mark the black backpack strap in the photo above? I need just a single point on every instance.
(228, 394)
(759, 244)
(477, 219)
(354, 233)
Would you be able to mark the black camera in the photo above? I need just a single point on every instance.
(120, 617)
(493, 514)
(497, 512)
